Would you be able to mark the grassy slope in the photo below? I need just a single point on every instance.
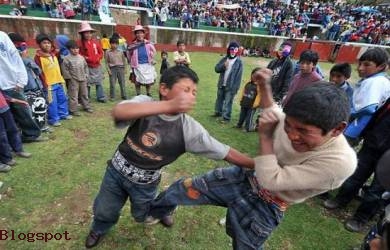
(54, 190)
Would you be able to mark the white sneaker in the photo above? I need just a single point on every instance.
(150, 220)
(4, 167)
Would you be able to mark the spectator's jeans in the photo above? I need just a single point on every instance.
(367, 159)
(249, 219)
(9, 136)
(117, 72)
(113, 194)
(57, 103)
(23, 116)
(224, 102)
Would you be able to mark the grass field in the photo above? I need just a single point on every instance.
(54, 190)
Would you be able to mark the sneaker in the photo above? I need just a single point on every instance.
(216, 115)
(23, 154)
(224, 121)
(4, 167)
(68, 117)
(150, 220)
(41, 139)
(93, 239)
(11, 162)
(47, 129)
(237, 126)
(354, 225)
(56, 124)
(102, 100)
(89, 110)
(167, 221)
(331, 204)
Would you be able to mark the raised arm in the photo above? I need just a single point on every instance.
(263, 79)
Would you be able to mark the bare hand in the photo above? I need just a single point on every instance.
(267, 123)
(183, 102)
(263, 77)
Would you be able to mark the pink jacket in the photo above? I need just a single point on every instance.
(133, 55)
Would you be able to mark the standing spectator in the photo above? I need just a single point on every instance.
(230, 70)
(75, 71)
(306, 76)
(52, 80)
(14, 79)
(164, 62)
(250, 101)
(115, 64)
(282, 72)
(93, 54)
(105, 42)
(339, 75)
(141, 56)
(33, 91)
(181, 57)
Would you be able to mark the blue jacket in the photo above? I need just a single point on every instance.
(234, 79)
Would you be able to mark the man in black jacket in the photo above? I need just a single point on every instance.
(282, 71)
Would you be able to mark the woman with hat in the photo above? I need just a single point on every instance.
(140, 54)
(92, 51)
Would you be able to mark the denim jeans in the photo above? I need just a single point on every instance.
(246, 115)
(249, 220)
(367, 159)
(23, 117)
(9, 136)
(224, 102)
(113, 194)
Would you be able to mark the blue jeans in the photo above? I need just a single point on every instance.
(9, 136)
(23, 117)
(58, 104)
(249, 219)
(113, 194)
(224, 102)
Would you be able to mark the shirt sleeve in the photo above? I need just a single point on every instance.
(199, 141)
(136, 99)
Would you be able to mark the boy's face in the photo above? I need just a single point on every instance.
(45, 46)
(337, 78)
(181, 47)
(164, 56)
(368, 68)
(306, 67)
(305, 137)
(114, 45)
(184, 86)
(74, 51)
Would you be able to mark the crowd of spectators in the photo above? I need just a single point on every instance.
(337, 21)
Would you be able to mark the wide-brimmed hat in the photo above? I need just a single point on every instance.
(138, 27)
(85, 26)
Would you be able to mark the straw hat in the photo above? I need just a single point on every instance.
(85, 26)
(138, 27)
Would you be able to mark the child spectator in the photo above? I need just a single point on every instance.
(370, 92)
(115, 64)
(164, 62)
(75, 72)
(339, 75)
(33, 91)
(306, 75)
(9, 135)
(92, 51)
(105, 42)
(63, 51)
(250, 100)
(159, 132)
(52, 81)
(181, 57)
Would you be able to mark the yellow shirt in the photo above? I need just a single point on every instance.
(51, 70)
(105, 42)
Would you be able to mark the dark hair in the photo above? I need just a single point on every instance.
(342, 68)
(377, 55)
(114, 39)
(104, 35)
(16, 37)
(309, 56)
(164, 52)
(71, 44)
(174, 74)
(254, 70)
(323, 105)
(116, 35)
(180, 42)
(42, 37)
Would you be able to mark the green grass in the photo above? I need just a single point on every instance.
(54, 190)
